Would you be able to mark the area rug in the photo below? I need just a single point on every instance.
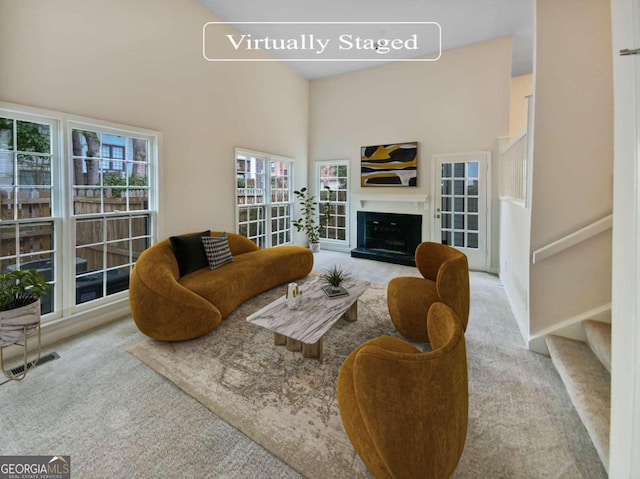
(521, 422)
(284, 402)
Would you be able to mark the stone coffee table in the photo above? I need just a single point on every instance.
(302, 329)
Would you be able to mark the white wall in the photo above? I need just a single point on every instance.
(515, 224)
(459, 103)
(140, 63)
(573, 157)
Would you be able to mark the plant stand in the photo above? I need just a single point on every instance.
(16, 327)
(26, 365)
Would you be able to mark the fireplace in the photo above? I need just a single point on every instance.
(388, 237)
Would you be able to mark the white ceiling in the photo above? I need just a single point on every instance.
(462, 21)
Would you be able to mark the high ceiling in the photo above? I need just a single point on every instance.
(462, 22)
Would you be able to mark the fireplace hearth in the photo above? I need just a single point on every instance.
(388, 237)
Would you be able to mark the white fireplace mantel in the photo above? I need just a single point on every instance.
(418, 200)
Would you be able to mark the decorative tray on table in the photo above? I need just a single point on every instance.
(334, 293)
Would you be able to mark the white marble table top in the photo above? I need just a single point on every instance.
(315, 314)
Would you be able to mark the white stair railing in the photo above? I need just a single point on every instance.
(573, 239)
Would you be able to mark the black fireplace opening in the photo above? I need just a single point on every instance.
(388, 237)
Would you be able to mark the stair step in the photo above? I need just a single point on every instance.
(599, 340)
(589, 386)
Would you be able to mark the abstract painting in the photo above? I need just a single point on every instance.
(389, 165)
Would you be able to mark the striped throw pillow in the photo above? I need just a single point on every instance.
(217, 249)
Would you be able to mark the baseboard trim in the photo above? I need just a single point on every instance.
(520, 322)
(335, 247)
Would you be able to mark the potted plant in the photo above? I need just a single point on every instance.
(20, 293)
(334, 277)
(307, 222)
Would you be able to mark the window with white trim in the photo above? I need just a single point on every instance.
(76, 203)
(110, 181)
(27, 222)
(333, 185)
(263, 198)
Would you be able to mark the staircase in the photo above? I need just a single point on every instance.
(585, 369)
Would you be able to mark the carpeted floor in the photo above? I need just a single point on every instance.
(116, 417)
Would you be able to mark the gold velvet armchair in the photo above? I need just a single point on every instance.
(406, 411)
(445, 279)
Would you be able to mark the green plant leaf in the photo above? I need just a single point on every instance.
(307, 222)
(21, 287)
(334, 276)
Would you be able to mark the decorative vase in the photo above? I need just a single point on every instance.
(315, 247)
(13, 322)
(292, 298)
(293, 302)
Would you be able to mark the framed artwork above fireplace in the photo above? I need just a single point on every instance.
(389, 165)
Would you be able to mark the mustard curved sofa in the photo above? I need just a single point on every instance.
(445, 279)
(405, 411)
(168, 307)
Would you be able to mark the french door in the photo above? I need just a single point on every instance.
(461, 190)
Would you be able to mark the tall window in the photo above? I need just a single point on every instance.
(27, 226)
(76, 204)
(110, 184)
(263, 198)
(333, 185)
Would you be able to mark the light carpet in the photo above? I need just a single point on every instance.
(519, 422)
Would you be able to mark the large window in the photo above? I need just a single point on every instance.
(76, 204)
(110, 184)
(263, 198)
(333, 185)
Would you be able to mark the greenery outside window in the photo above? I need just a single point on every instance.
(27, 226)
(77, 204)
(110, 188)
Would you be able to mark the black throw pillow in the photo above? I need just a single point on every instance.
(189, 252)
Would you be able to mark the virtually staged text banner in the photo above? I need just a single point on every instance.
(322, 41)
